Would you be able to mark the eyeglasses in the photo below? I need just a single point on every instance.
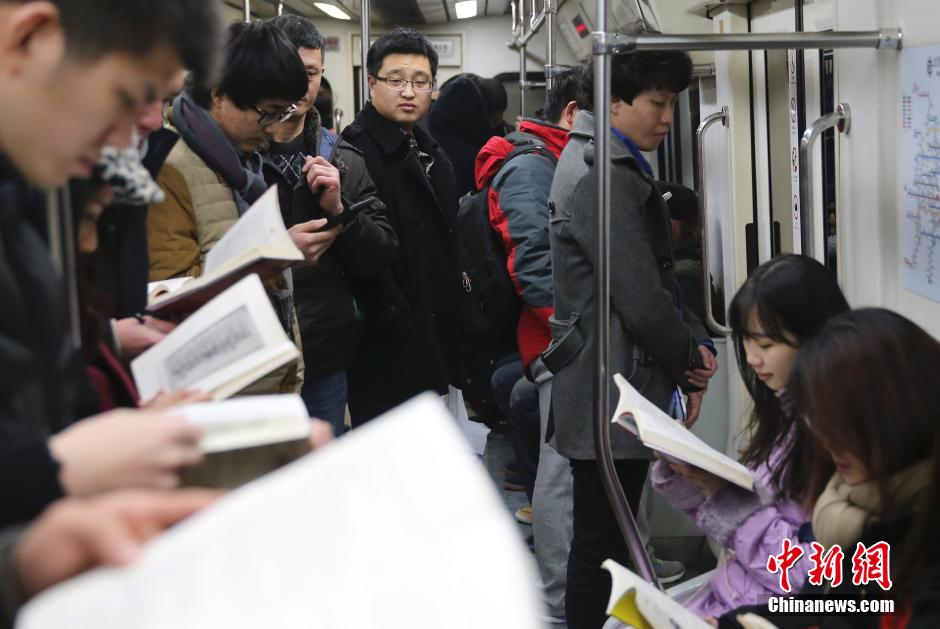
(267, 118)
(421, 85)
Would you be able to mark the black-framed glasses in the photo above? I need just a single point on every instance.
(397, 84)
(267, 118)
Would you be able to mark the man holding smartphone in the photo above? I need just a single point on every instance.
(322, 176)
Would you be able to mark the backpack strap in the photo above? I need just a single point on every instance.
(328, 141)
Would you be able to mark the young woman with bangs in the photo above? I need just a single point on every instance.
(784, 303)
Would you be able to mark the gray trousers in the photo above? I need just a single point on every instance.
(551, 506)
(552, 514)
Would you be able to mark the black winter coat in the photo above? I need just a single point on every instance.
(42, 377)
(412, 322)
(323, 296)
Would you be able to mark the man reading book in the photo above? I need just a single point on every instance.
(655, 341)
(213, 174)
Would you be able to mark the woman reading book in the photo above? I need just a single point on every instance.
(784, 303)
(867, 389)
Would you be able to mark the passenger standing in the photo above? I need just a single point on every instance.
(322, 294)
(108, 59)
(653, 342)
(213, 174)
(519, 213)
(412, 325)
(459, 122)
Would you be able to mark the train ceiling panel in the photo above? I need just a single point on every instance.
(386, 12)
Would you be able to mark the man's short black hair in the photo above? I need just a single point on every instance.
(300, 31)
(191, 28)
(568, 85)
(400, 40)
(633, 73)
(260, 63)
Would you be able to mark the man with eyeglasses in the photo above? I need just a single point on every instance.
(411, 326)
(213, 174)
(367, 245)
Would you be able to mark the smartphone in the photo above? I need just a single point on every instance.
(350, 211)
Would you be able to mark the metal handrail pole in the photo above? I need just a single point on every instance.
(605, 459)
(549, 10)
(279, 7)
(840, 119)
(721, 116)
(246, 8)
(887, 39)
(364, 45)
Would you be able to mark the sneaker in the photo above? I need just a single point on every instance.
(667, 571)
(524, 516)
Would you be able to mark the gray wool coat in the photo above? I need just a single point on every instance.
(652, 343)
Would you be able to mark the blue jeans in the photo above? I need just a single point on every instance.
(326, 399)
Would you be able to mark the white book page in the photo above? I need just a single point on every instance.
(235, 338)
(167, 286)
(356, 535)
(248, 421)
(661, 432)
(260, 228)
(657, 608)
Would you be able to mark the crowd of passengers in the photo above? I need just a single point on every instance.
(166, 127)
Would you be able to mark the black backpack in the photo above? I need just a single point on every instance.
(488, 301)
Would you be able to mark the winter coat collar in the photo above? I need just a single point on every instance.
(584, 128)
(491, 157)
(388, 135)
(241, 171)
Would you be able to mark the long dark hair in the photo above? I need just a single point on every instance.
(792, 297)
(869, 384)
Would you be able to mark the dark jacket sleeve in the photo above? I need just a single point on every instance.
(368, 244)
(636, 290)
(9, 597)
(29, 480)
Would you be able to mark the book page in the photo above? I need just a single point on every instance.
(260, 228)
(226, 345)
(166, 286)
(358, 535)
(634, 601)
(249, 421)
(661, 432)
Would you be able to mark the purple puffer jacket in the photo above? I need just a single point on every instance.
(749, 526)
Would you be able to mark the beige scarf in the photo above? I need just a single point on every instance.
(843, 510)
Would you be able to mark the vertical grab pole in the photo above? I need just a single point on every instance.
(549, 11)
(364, 52)
(605, 459)
(522, 45)
(280, 7)
(246, 5)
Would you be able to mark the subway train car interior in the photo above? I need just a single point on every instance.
(469, 313)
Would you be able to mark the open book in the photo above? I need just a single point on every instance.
(229, 343)
(658, 431)
(247, 437)
(257, 243)
(357, 535)
(636, 603)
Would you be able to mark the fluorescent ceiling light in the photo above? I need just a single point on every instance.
(332, 10)
(467, 8)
